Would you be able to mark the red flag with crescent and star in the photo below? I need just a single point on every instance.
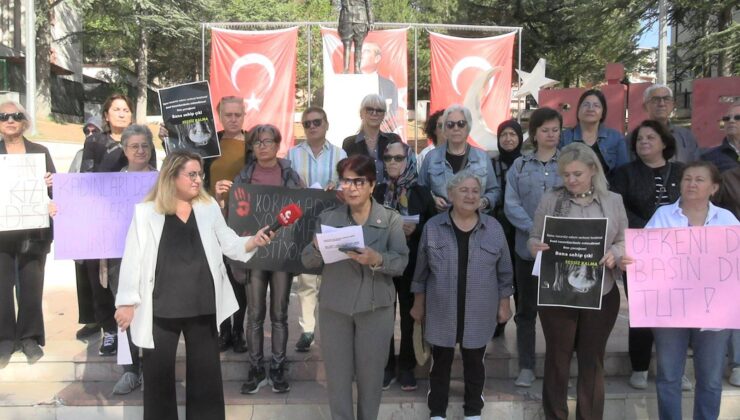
(259, 66)
(455, 65)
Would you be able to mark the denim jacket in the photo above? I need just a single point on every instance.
(436, 172)
(611, 145)
(527, 180)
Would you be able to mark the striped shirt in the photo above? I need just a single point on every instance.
(312, 169)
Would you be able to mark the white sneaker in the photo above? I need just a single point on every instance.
(472, 417)
(525, 378)
(436, 418)
(686, 384)
(638, 380)
(735, 376)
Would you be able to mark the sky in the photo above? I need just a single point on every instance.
(650, 38)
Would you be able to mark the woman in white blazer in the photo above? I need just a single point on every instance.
(173, 281)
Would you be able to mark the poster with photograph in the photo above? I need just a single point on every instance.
(570, 274)
(188, 118)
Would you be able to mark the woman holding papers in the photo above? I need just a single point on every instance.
(584, 331)
(416, 205)
(700, 180)
(173, 281)
(357, 294)
(462, 287)
(22, 254)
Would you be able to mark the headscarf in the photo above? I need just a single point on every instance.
(508, 157)
(396, 194)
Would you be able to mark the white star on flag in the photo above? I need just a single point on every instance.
(534, 81)
(253, 102)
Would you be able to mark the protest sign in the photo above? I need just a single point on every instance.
(94, 211)
(252, 207)
(570, 274)
(24, 202)
(188, 118)
(684, 277)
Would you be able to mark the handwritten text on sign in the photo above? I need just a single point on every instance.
(24, 203)
(95, 211)
(684, 277)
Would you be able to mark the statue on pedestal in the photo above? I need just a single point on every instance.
(355, 21)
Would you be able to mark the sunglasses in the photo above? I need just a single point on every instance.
(396, 158)
(727, 118)
(16, 116)
(89, 131)
(460, 124)
(316, 123)
(357, 182)
(376, 111)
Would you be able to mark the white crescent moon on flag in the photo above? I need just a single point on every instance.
(252, 58)
(466, 63)
(480, 132)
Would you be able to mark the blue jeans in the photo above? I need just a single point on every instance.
(735, 349)
(709, 348)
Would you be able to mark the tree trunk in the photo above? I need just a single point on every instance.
(142, 74)
(724, 58)
(42, 95)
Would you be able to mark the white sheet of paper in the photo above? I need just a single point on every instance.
(316, 186)
(411, 218)
(124, 351)
(331, 239)
(537, 263)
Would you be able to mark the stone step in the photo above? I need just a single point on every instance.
(307, 401)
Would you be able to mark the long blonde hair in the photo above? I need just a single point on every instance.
(164, 192)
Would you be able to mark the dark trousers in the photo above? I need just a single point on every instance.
(29, 286)
(474, 373)
(526, 311)
(640, 343)
(241, 297)
(103, 302)
(279, 282)
(584, 331)
(85, 307)
(204, 396)
(406, 357)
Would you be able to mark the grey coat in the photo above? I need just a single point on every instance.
(348, 287)
(489, 278)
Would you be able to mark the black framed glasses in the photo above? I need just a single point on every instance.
(316, 123)
(264, 143)
(357, 182)
(195, 175)
(727, 118)
(90, 130)
(374, 111)
(460, 124)
(396, 158)
(16, 116)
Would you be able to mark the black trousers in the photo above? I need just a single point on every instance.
(640, 343)
(29, 286)
(406, 357)
(241, 298)
(474, 373)
(204, 396)
(103, 301)
(279, 282)
(85, 307)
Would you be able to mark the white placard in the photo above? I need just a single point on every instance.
(24, 201)
(343, 94)
(331, 239)
(123, 353)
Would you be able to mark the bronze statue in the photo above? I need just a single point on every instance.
(355, 21)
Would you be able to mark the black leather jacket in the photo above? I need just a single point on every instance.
(635, 182)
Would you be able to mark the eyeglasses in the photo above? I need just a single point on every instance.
(16, 116)
(143, 147)
(264, 143)
(396, 158)
(89, 131)
(727, 118)
(357, 182)
(658, 99)
(591, 105)
(460, 124)
(374, 111)
(195, 175)
(316, 123)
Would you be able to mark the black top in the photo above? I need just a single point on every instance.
(595, 148)
(103, 154)
(356, 145)
(635, 182)
(463, 239)
(455, 161)
(661, 193)
(183, 284)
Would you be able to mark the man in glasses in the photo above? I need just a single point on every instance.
(315, 160)
(726, 156)
(659, 103)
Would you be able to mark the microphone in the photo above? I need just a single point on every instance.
(287, 216)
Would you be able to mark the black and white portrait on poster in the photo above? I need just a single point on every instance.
(188, 118)
(570, 273)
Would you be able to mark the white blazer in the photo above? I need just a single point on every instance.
(136, 279)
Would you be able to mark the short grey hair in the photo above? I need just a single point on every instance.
(459, 108)
(230, 100)
(649, 91)
(373, 100)
(579, 152)
(137, 130)
(461, 177)
(25, 124)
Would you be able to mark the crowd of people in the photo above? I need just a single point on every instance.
(450, 236)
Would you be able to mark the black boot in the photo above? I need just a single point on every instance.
(238, 341)
(224, 337)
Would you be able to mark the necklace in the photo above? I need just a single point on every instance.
(588, 193)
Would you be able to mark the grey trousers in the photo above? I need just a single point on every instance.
(355, 346)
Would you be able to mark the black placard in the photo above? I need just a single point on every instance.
(188, 118)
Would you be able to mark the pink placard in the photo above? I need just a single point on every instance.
(684, 277)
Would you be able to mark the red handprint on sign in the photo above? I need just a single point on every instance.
(243, 206)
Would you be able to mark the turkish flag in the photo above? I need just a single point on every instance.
(259, 66)
(455, 65)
